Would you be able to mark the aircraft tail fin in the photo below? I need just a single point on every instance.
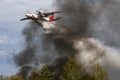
(51, 18)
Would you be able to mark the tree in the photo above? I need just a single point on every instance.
(71, 71)
(99, 73)
(46, 74)
(43, 74)
(14, 77)
(34, 75)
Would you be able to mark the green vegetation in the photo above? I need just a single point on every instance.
(99, 73)
(43, 74)
(1, 77)
(14, 77)
(71, 71)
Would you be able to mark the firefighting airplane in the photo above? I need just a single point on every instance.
(41, 17)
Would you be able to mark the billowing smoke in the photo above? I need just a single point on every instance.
(92, 51)
(99, 19)
(41, 48)
(80, 19)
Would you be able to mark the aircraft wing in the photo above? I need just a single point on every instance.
(24, 19)
(47, 14)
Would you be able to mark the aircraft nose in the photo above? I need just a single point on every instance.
(26, 15)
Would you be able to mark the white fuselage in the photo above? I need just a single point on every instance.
(33, 16)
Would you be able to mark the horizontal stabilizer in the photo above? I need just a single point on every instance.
(57, 18)
(57, 12)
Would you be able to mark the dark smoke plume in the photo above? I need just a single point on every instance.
(79, 18)
(26, 58)
(41, 48)
(99, 19)
(74, 15)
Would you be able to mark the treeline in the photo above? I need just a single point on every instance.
(71, 71)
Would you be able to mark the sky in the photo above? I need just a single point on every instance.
(11, 39)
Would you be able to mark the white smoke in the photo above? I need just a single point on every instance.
(92, 51)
